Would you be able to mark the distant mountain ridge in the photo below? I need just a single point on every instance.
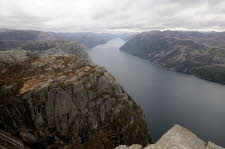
(25, 35)
(90, 40)
(15, 38)
(87, 39)
(198, 53)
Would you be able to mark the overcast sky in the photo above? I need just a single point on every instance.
(112, 15)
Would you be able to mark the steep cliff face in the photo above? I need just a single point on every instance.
(201, 54)
(177, 138)
(64, 100)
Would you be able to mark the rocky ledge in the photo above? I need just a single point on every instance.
(61, 99)
(176, 138)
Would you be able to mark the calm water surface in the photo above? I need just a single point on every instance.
(167, 97)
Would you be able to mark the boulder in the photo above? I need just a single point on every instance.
(134, 146)
(28, 137)
(211, 145)
(176, 138)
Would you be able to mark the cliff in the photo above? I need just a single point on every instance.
(201, 54)
(52, 95)
(176, 138)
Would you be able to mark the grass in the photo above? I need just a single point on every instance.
(218, 52)
(215, 73)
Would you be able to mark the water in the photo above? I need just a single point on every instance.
(167, 97)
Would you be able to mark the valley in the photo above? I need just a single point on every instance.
(57, 93)
(166, 97)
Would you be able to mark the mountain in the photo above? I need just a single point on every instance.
(90, 40)
(53, 96)
(14, 38)
(198, 53)
(25, 35)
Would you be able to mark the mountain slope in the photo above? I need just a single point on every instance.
(201, 54)
(91, 40)
(88, 39)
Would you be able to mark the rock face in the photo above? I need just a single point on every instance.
(177, 138)
(55, 99)
(201, 54)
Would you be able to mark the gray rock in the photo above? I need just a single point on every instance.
(28, 137)
(181, 138)
(176, 138)
(134, 146)
(211, 145)
(122, 147)
(13, 56)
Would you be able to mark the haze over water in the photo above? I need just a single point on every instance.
(167, 97)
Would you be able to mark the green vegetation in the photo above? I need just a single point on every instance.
(216, 74)
(168, 57)
(218, 52)
(204, 51)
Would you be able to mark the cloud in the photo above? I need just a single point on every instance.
(112, 15)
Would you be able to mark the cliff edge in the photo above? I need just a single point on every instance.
(53, 96)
